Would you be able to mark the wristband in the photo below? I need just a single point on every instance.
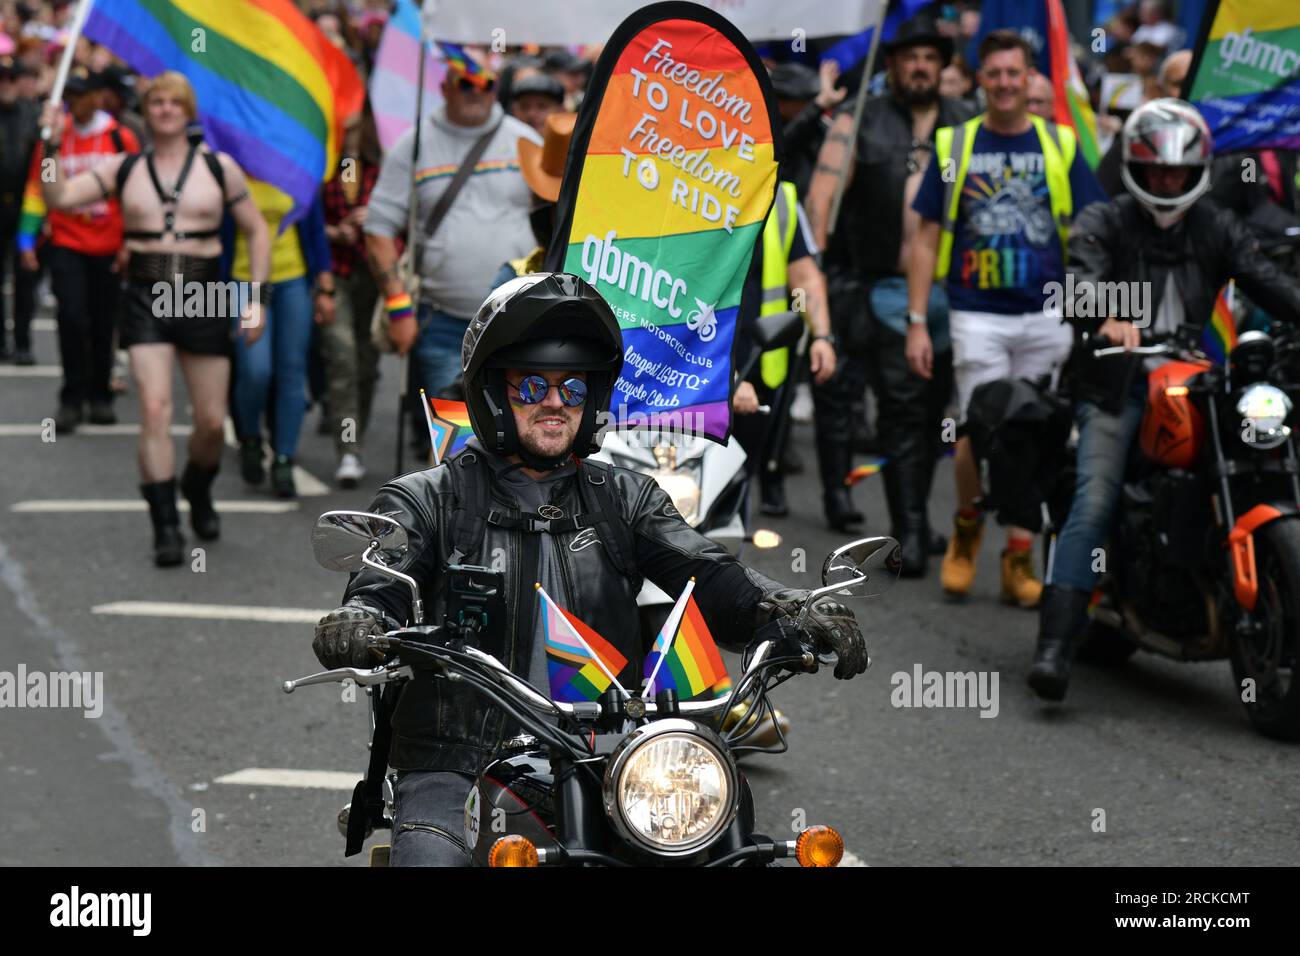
(915, 318)
(399, 307)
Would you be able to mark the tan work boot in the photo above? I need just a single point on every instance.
(957, 573)
(1019, 585)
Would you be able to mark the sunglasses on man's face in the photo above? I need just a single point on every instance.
(466, 85)
(532, 389)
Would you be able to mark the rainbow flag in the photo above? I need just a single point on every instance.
(449, 427)
(865, 470)
(669, 179)
(1219, 337)
(396, 72)
(581, 664)
(272, 91)
(1073, 107)
(684, 657)
(32, 215)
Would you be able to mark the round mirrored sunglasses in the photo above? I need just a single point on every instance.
(532, 389)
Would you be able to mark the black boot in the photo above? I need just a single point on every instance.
(168, 544)
(772, 490)
(196, 486)
(251, 454)
(1061, 619)
(907, 521)
(840, 513)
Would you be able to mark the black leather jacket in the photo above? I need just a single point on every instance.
(1118, 242)
(867, 238)
(438, 726)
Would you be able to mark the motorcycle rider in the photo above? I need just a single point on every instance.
(539, 362)
(1165, 232)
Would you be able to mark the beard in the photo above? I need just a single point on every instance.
(914, 93)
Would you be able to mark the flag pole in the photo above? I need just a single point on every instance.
(670, 628)
(65, 60)
(867, 67)
(415, 249)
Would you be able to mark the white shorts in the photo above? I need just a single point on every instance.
(987, 346)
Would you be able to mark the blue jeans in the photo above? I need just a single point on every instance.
(435, 361)
(1104, 444)
(429, 819)
(282, 349)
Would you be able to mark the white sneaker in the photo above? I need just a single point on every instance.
(350, 471)
(801, 409)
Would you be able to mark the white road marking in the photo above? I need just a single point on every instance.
(106, 505)
(122, 428)
(218, 612)
(309, 486)
(45, 325)
(275, 777)
(852, 859)
(31, 371)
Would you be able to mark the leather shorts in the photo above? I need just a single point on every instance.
(197, 320)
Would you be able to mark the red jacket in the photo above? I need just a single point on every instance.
(95, 228)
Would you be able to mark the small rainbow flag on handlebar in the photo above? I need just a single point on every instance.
(1219, 337)
(684, 657)
(581, 664)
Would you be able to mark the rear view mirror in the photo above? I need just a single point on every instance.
(342, 539)
(863, 568)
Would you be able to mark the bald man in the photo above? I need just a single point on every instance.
(1042, 97)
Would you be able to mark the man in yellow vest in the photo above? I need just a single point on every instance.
(996, 206)
(787, 276)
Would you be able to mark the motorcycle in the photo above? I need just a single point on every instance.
(620, 781)
(1204, 559)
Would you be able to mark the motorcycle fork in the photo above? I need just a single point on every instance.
(576, 815)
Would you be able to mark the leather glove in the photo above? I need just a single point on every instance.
(830, 624)
(341, 637)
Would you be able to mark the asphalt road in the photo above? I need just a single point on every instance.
(1162, 748)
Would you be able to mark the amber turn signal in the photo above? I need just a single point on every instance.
(1176, 391)
(514, 850)
(818, 846)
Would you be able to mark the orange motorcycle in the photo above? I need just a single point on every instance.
(1204, 557)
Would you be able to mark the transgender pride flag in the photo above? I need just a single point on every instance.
(393, 80)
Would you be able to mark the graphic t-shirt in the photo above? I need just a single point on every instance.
(1005, 245)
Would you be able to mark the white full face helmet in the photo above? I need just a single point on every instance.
(1166, 132)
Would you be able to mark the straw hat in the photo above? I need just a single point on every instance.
(543, 166)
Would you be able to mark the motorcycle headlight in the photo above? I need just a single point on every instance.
(684, 489)
(1263, 409)
(671, 787)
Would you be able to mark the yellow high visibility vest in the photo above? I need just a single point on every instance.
(778, 237)
(1058, 144)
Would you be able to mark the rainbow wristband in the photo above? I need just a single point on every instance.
(399, 307)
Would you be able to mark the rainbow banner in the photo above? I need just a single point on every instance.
(1219, 337)
(581, 664)
(449, 426)
(684, 657)
(272, 91)
(670, 177)
(1245, 77)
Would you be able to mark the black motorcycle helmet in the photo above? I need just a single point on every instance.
(543, 321)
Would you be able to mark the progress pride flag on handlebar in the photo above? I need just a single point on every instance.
(669, 179)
